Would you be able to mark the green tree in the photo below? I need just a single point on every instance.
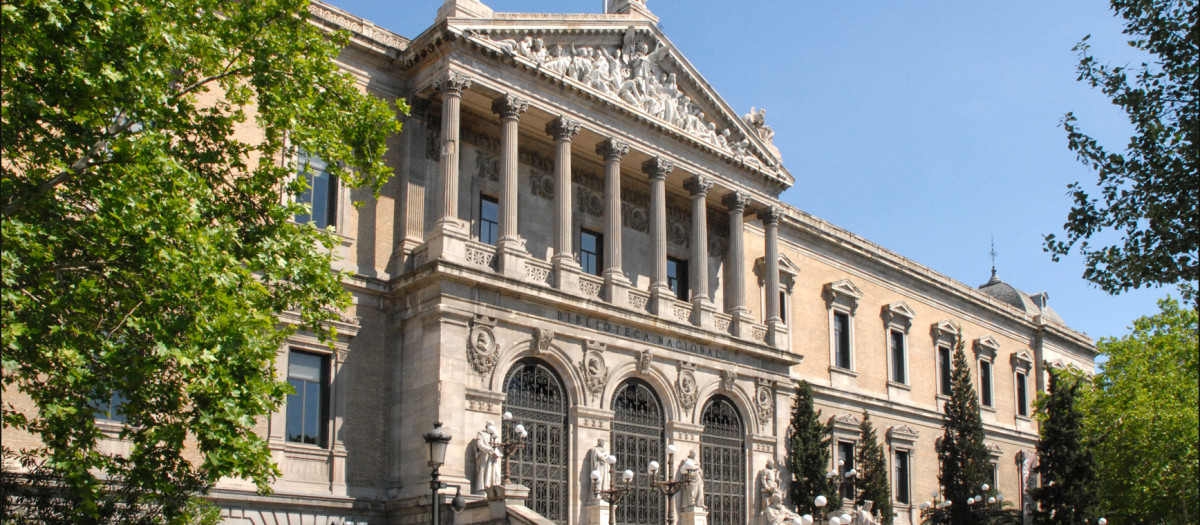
(808, 453)
(148, 243)
(1148, 193)
(962, 454)
(1066, 468)
(1142, 417)
(873, 482)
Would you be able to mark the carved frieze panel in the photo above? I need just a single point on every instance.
(541, 184)
(487, 166)
(482, 348)
(679, 225)
(685, 386)
(593, 369)
(588, 180)
(589, 201)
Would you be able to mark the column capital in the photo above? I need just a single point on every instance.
(612, 149)
(452, 83)
(736, 200)
(658, 167)
(509, 106)
(770, 214)
(563, 128)
(698, 185)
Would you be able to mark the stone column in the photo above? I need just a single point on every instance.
(735, 290)
(770, 218)
(566, 268)
(449, 237)
(661, 296)
(616, 285)
(702, 307)
(511, 247)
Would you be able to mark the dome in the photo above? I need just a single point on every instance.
(1031, 305)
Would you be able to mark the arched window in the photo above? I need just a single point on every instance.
(723, 458)
(537, 399)
(637, 439)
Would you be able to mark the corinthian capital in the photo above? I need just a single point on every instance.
(658, 167)
(770, 214)
(452, 83)
(563, 128)
(698, 185)
(612, 149)
(736, 200)
(509, 106)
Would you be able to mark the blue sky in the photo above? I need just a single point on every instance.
(928, 127)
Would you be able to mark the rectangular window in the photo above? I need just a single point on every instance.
(985, 383)
(841, 338)
(591, 248)
(109, 409)
(1022, 396)
(902, 481)
(846, 456)
(783, 307)
(489, 219)
(995, 475)
(308, 407)
(898, 359)
(944, 369)
(677, 277)
(320, 195)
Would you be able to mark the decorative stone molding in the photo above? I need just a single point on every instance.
(484, 401)
(845, 423)
(843, 292)
(612, 150)
(945, 330)
(1022, 360)
(685, 386)
(593, 369)
(644, 360)
(359, 26)
(541, 184)
(589, 201)
(986, 347)
(452, 83)
(658, 167)
(487, 166)
(698, 185)
(482, 348)
(764, 403)
(509, 106)
(542, 339)
(770, 214)
(995, 451)
(736, 200)
(728, 379)
(898, 313)
(903, 436)
(563, 128)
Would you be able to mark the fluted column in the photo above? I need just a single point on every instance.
(510, 245)
(616, 285)
(449, 237)
(661, 296)
(702, 309)
(566, 268)
(452, 85)
(770, 218)
(735, 287)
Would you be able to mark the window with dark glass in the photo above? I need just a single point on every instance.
(944, 369)
(677, 277)
(846, 456)
(898, 359)
(591, 246)
(902, 481)
(320, 195)
(489, 219)
(995, 473)
(536, 398)
(783, 306)
(1022, 396)
(841, 338)
(308, 406)
(109, 408)
(985, 383)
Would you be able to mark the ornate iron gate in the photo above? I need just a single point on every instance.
(637, 439)
(537, 399)
(723, 458)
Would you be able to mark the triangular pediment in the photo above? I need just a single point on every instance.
(945, 328)
(899, 309)
(631, 64)
(987, 344)
(844, 288)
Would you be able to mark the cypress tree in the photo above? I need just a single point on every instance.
(808, 452)
(1067, 494)
(873, 472)
(962, 454)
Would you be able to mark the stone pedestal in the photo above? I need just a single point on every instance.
(694, 516)
(596, 513)
(743, 321)
(501, 497)
(448, 241)
(616, 287)
(703, 313)
(512, 254)
(566, 274)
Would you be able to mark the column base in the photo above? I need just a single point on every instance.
(661, 299)
(742, 321)
(596, 512)
(694, 516)
(703, 313)
(448, 242)
(566, 274)
(616, 287)
(512, 254)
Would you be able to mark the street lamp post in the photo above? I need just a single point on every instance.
(668, 487)
(516, 442)
(437, 439)
(613, 494)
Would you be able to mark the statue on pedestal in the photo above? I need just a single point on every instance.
(777, 514)
(693, 495)
(768, 485)
(596, 463)
(487, 458)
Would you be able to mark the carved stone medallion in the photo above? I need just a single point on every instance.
(685, 385)
(764, 402)
(593, 368)
(482, 348)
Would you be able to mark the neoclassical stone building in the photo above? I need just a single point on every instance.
(582, 233)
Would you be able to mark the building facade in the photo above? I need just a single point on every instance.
(583, 234)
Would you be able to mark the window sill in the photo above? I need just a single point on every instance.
(901, 386)
(842, 371)
(1024, 419)
(304, 449)
(986, 408)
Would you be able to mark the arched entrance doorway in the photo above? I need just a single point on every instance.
(537, 399)
(723, 457)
